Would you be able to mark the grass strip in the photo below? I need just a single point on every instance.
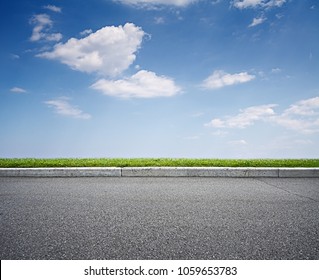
(153, 162)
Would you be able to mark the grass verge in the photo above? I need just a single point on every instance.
(154, 162)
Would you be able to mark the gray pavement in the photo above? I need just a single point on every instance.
(159, 218)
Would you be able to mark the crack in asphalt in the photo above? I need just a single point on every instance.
(287, 191)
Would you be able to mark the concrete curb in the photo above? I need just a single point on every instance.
(238, 172)
(199, 172)
(61, 172)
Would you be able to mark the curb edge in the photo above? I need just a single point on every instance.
(239, 172)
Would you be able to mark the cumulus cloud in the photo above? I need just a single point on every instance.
(243, 4)
(221, 79)
(153, 3)
(245, 118)
(109, 51)
(42, 24)
(302, 116)
(64, 108)
(144, 84)
(18, 90)
(257, 21)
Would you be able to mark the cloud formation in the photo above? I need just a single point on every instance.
(245, 118)
(221, 79)
(64, 108)
(86, 32)
(303, 117)
(257, 21)
(244, 4)
(144, 84)
(152, 3)
(108, 51)
(42, 25)
(53, 8)
(18, 90)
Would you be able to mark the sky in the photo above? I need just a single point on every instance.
(159, 78)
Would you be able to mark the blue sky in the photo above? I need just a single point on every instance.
(159, 78)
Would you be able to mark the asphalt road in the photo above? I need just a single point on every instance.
(159, 218)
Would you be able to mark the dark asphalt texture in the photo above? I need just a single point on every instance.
(159, 218)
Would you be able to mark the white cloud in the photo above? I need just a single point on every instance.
(109, 51)
(245, 118)
(144, 84)
(42, 24)
(86, 32)
(308, 107)
(257, 21)
(297, 124)
(64, 108)
(274, 3)
(18, 90)
(217, 123)
(53, 37)
(53, 8)
(40, 21)
(303, 117)
(243, 4)
(153, 3)
(221, 79)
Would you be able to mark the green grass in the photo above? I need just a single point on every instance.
(147, 162)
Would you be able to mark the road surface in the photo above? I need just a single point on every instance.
(159, 218)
